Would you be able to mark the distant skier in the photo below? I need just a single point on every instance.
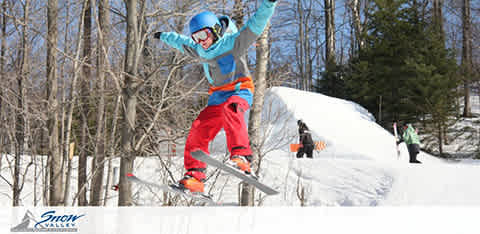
(306, 142)
(412, 140)
(222, 49)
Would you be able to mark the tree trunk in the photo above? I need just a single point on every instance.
(99, 153)
(85, 93)
(55, 158)
(357, 25)
(63, 109)
(21, 109)
(301, 46)
(72, 101)
(304, 48)
(3, 76)
(111, 146)
(129, 94)
(330, 32)
(466, 56)
(438, 18)
(440, 139)
(248, 191)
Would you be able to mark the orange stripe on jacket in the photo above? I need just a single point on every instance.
(246, 83)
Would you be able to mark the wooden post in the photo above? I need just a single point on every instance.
(380, 110)
(71, 150)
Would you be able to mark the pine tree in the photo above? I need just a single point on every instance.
(405, 62)
(377, 71)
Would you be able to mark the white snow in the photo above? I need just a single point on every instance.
(359, 166)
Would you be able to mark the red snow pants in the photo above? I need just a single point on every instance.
(229, 116)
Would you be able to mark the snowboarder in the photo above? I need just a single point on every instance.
(306, 142)
(411, 138)
(221, 48)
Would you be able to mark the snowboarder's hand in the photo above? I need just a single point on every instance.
(272, 0)
(157, 35)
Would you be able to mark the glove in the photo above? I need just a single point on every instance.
(272, 0)
(157, 35)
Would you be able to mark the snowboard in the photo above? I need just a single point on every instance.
(396, 138)
(319, 146)
(172, 188)
(250, 179)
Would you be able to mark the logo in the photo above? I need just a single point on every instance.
(49, 221)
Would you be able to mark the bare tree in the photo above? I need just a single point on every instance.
(63, 107)
(303, 48)
(110, 147)
(84, 105)
(357, 25)
(72, 102)
(102, 56)
(55, 158)
(170, 90)
(467, 56)
(330, 33)
(21, 112)
(129, 96)
(438, 18)
(254, 130)
(439, 30)
(2, 73)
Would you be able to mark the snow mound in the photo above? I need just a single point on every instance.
(348, 129)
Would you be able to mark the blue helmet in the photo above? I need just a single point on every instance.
(203, 20)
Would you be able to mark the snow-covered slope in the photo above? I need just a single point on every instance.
(359, 166)
(349, 130)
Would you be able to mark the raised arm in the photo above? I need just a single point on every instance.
(254, 26)
(178, 41)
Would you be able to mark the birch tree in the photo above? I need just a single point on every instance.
(331, 83)
(55, 159)
(357, 23)
(254, 129)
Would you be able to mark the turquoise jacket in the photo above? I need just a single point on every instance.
(225, 62)
(410, 136)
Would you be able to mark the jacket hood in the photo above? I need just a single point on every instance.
(228, 26)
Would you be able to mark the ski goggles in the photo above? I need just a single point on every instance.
(201, 35)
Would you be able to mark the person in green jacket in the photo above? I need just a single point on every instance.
(412, 140)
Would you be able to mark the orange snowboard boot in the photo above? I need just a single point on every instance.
(193, 184)
(242, 163)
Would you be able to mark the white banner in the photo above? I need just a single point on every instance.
(264, 220)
